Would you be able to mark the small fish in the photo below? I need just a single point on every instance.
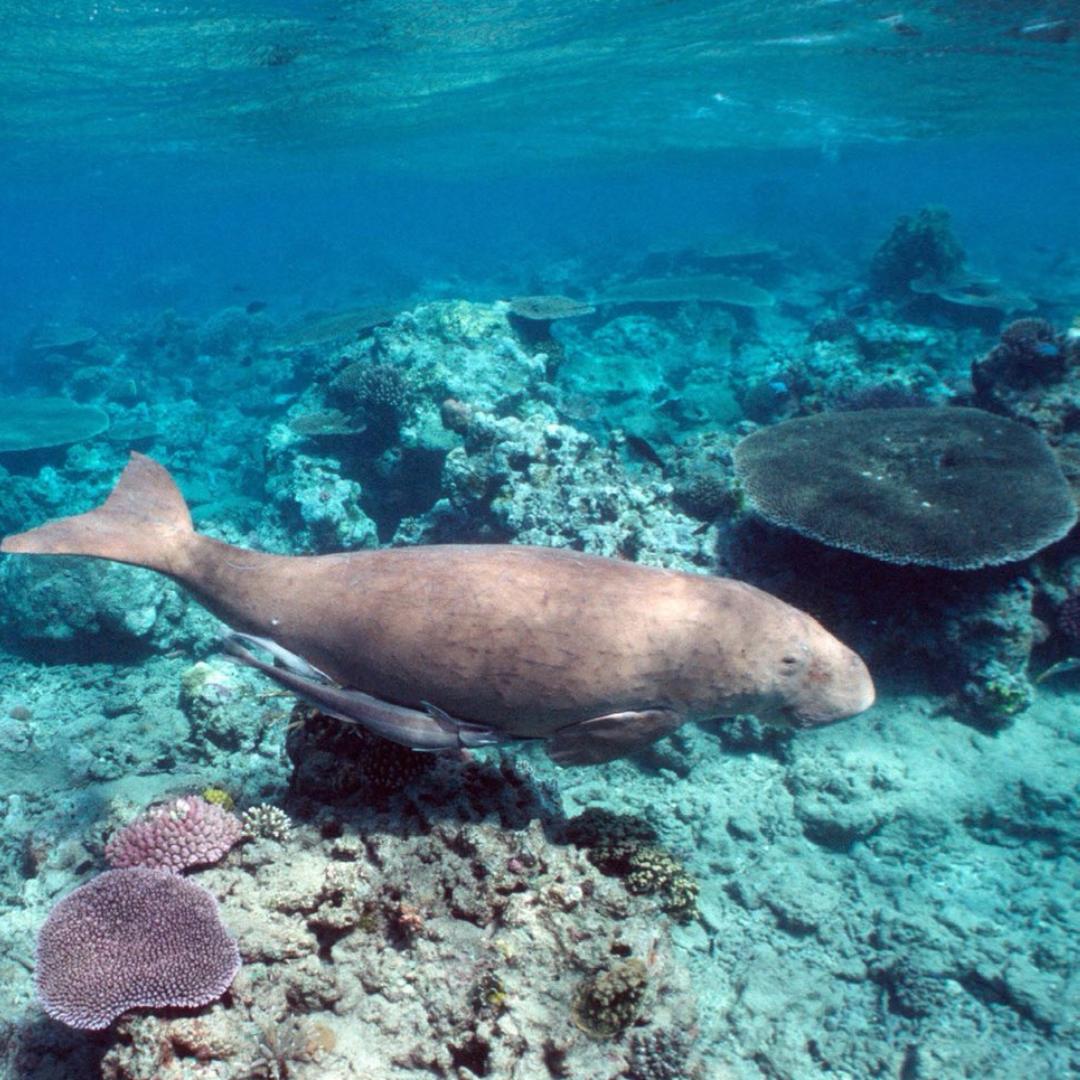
(643, 449)
(255, 307)
(1062, 667)
(898, 25)
(1053, 31)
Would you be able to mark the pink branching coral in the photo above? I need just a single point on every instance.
(132, 938)
(175, 836)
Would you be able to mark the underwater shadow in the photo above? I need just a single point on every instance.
(105, 649)
(344, 779)
(48, 1050)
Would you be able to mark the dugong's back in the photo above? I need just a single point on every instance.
(527, 638)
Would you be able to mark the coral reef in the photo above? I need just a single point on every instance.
(1032, 375)
(376, 392)
(881, 396)
(696, 288)
(834, 328)
(208, 698)
(231, 331)
(661, 1054)
(36, 423)
(320, 509)
(219, 797)
(532, 316)
(989, 635)
(885, 897)
(974, 292)
(703, 478)
(1068, 619)
(649, 375)
(374, 415)
(332, 759)
(778, 380)
(88, 608)
(539, 482)
(705, 493)
(351, 925)
(61, 338)
(653, 871)
(325, 423)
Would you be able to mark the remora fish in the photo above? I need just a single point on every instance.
(459, 645)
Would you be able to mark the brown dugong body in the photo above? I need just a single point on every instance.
(526, 641)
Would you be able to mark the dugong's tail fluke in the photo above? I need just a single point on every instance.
(145, 522)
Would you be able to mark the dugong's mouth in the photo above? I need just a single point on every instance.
(806, 720)
(787, 716)
(858, 700)
(799, 720)
(783, 716)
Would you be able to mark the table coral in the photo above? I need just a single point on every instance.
(130, 938)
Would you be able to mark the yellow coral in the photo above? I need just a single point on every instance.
(219, 797)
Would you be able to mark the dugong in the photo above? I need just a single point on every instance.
(460, 645)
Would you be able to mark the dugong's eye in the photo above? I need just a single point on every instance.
(790, 664)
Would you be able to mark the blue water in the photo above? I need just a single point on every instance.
(891, 896)
(393, 140)
(105, 243)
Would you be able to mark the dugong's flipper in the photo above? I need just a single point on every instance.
(429, 730)
(604, 738)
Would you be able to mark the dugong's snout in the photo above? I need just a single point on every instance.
(826, 683)
(835, 688)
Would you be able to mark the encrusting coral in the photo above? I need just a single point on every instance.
(628, 848)
(610, 1001)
